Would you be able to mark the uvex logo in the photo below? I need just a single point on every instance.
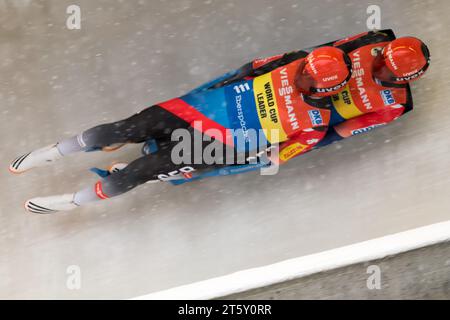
(331, 78)
(413, 76)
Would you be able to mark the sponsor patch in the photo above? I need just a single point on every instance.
(344, 104)
(366, 129)
(242, 114)
(291, 151)
(388, 97)
(267, 108)
(316, 117)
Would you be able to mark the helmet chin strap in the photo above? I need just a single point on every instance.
(385, 83)
(392, 79)
(334, 88)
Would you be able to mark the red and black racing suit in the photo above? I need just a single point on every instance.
(363, 104)
(161, 120)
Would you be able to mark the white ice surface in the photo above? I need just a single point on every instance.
(280, 272)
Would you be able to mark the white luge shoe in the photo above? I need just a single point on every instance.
(52, 204)
(37, 158)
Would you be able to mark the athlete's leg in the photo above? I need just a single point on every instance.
(153, 122)
(136, 173)
(149, 167)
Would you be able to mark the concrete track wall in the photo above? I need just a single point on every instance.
(418, 274)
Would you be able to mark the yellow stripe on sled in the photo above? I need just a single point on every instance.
(267, 108)
(344, 105)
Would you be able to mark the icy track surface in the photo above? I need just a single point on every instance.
(130, 54)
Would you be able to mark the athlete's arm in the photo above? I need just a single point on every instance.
(261, 66)
(298, 144)
(215, 82)
(252, 69)
(351, 43)
(258, 67)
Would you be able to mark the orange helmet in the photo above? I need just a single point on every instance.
(402, 60)
(324, 72)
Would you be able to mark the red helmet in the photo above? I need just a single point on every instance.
(324, 72)
(402, 60)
